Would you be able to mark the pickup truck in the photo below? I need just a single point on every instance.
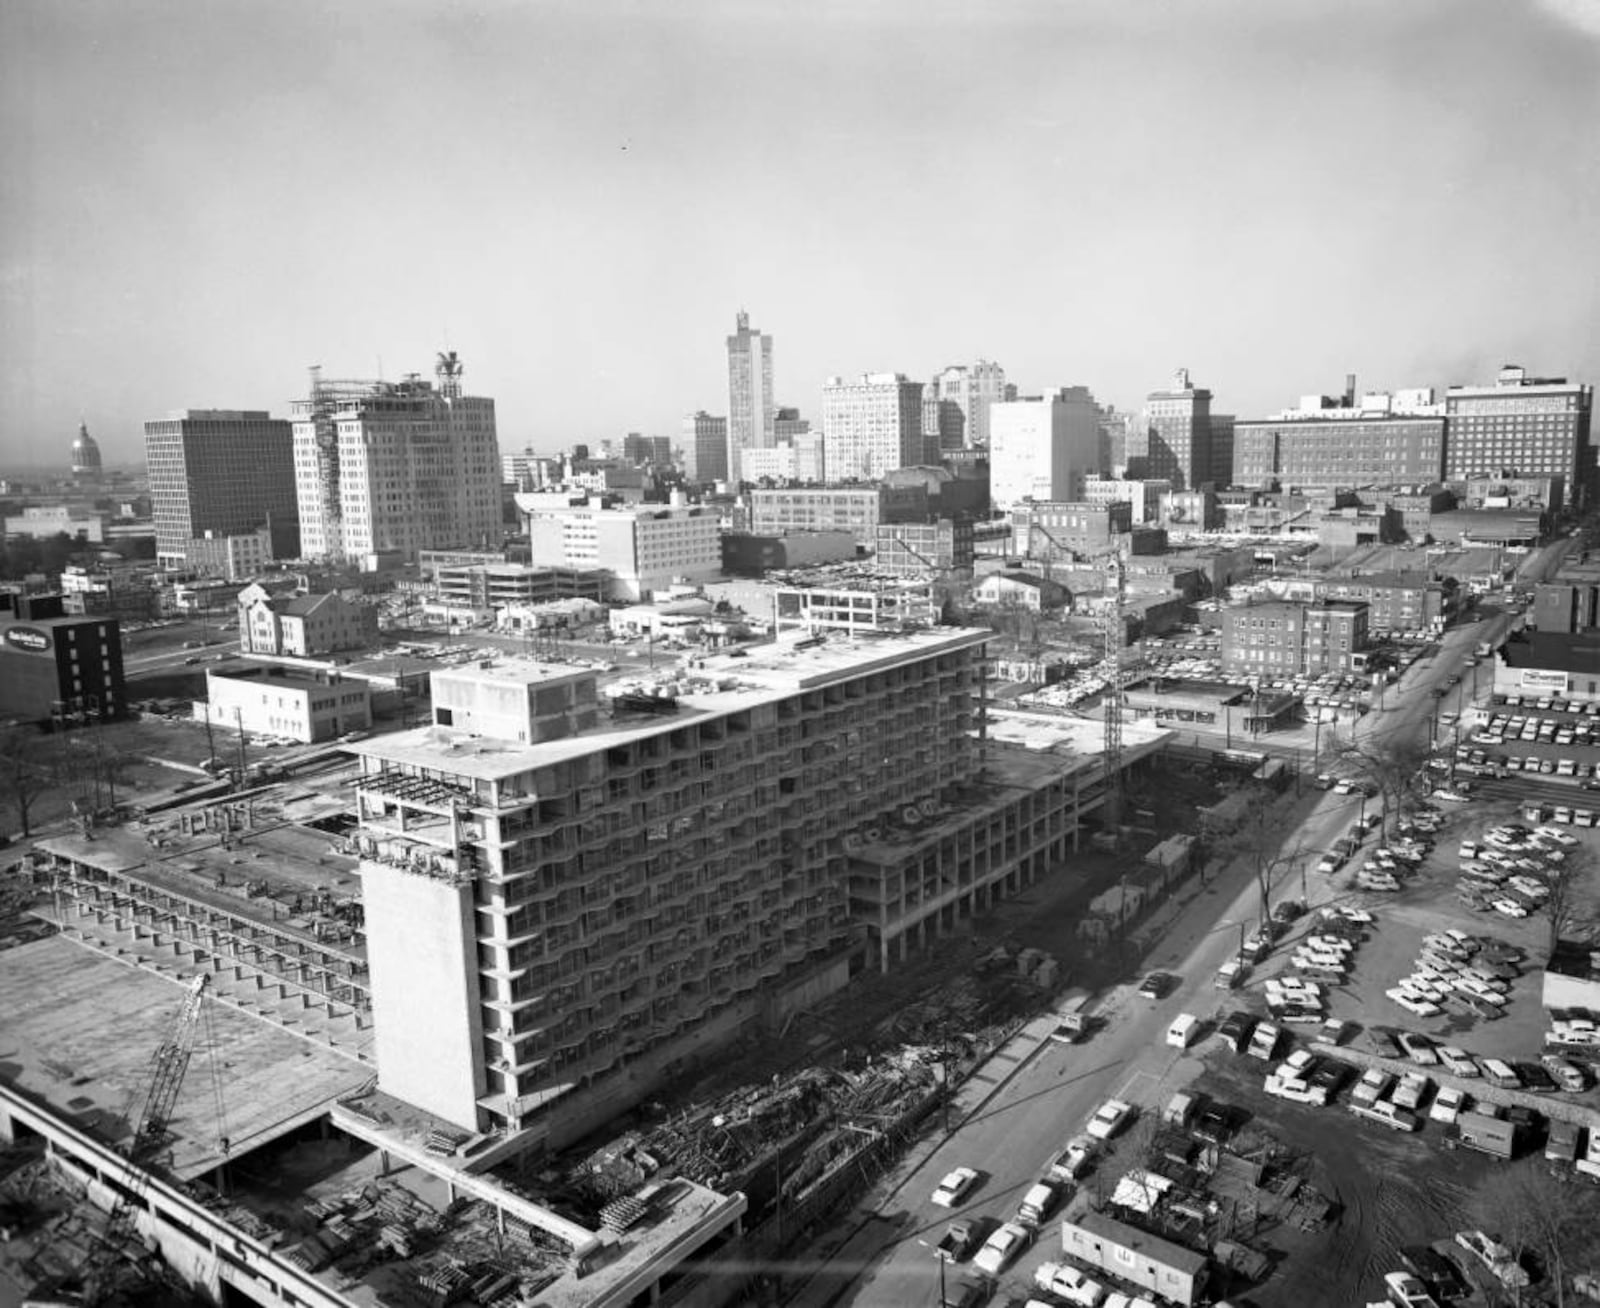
(960, 1238)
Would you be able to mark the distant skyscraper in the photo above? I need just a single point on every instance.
(871, 425)
(751, 408)
(944, 426)
(1043, 448)
(1174, 439)
(224, 471)
(654, 450)
(85, 454)
(705, 447)
(973, 388)
(396, 466)
(1533, 425)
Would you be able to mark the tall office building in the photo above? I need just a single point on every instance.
(1524, 425)
(1043, 448)
(223, 471)
(974, 389)
(1174, 439)
(705, 447)
(872, 424)
(751, 407)
(396, 467)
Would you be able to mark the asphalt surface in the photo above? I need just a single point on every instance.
(882, 1253)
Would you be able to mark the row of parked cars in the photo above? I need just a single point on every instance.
(1509, 870)
(1470, 972)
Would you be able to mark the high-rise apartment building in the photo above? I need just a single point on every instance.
(872, 424)
(1043, 448)
(973, 389)
(705, 447)
(556, 891)
(1174, 438)
(752, 410)
(1523, 425)
(223, 471)
(396, 467)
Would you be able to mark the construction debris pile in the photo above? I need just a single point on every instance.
(444, 1256)
(775, 1138)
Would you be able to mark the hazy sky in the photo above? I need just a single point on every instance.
(200, 200)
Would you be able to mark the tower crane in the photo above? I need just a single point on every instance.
(1116, 583)
(150, 1111)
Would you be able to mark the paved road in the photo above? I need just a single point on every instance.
(882, 1254)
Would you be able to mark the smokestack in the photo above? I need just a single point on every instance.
(1349, 390)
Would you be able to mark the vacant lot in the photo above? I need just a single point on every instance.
(1391, 1190)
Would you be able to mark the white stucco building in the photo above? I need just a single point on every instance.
(1043, 447)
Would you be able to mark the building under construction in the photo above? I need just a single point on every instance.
(394, 468)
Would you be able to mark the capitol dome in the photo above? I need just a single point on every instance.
(85, 453)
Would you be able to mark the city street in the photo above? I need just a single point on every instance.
(882, 1254)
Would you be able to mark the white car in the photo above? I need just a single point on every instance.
(1448, 1104)
(954, 1186)
(1068, 1282)
(1424, 985)
(1412, 1003)
(1466, 940)
(1493, 1254)
(1459, 1061)
(1528, 886)
(1555, 837)
(1293, 987)
(1296, 1066)
(1109, 1118)
(1295, 1090)
(1469, 985)
(1336, 943)
(1001, 1248)
(1509, 908)
(1407, 1291)
(1351, 913)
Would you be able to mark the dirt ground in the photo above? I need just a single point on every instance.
(1391, 1189)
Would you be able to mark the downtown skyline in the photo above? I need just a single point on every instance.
(580, 201)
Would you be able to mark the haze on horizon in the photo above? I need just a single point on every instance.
(199, 202)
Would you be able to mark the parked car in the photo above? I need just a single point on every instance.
(1002, 1248)
(1458, 1061)
(955, 1186)
(1110, 1118)
(1448, 1104)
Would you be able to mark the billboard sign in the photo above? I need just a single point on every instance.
(1544, 679)
(35, 640)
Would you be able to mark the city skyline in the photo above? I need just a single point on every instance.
(1413, 203)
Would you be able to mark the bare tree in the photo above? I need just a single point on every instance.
(1258, 839)
(30, 764)
(1397, 766)
(1569, 890)
(1535, 1213)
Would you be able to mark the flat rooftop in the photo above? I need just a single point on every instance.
(700, 687)
(1080, 738)
(80, 1028)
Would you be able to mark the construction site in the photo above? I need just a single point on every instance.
(226, 929)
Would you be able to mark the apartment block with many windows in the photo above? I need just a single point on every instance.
(558, 892)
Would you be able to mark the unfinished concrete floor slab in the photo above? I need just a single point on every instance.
(79, 1029)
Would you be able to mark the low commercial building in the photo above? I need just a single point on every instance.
(1550, 664)
(1539, 493)
(748, 554)
(61, 669)
(1572, 976)
(1169, 1271)
(678, 619)
(273, 700)
(1507, 528)
(487, 586)
(856, 509)
(1067, 531)
(916, 549)
(1017, 588)
(1396, 601)
(1566, 605)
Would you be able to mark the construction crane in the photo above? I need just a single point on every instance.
(1116, 584)
(150, 1111)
